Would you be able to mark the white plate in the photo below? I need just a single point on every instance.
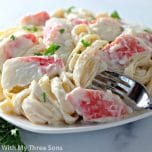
(23, 123)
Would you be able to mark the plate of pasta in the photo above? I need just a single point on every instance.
(48, 62)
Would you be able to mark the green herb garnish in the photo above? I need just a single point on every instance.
(44, 96)
(30, 28)
(148, 30)
(12, 37)
(69, 10)
(85, 43)
(115, 15)
(10, 136)
(51, 49)
(61, 31)
(38, 53)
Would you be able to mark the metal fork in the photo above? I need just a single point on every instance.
(134, 93)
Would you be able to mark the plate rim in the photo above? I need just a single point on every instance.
(71, 129)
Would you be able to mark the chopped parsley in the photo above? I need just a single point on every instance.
(148, 30)
(69, 10)
(51, 49)
(115, 15)
(30, 28)
(38, 53)
(12, 37)
(44, 97)
(61, 31)
(85, 43)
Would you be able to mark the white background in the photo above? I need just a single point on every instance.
(133, 10)
(136, 137)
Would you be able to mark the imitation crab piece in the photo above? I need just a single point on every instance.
(51, 30)
(37, 19)
(125, 46)
(77, 21)
(97, 106)
(58, 31)
(107, 28)
(21, 71)
(16, 46)
(55, 29)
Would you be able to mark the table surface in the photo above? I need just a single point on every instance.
(134, 137)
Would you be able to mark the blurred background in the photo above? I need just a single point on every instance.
(133, 10)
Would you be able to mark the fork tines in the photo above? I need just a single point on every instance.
(112, 81)
(133, 93)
